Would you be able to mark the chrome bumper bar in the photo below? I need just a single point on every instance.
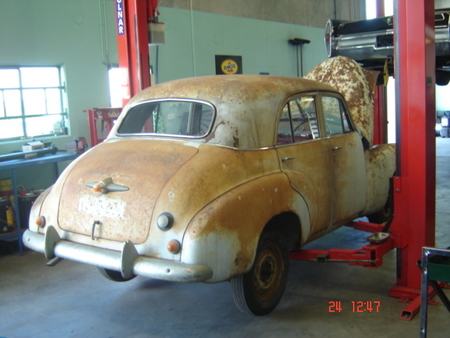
(127, 261)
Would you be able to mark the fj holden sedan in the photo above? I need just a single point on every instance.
(214, 179)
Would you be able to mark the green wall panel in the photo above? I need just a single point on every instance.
(194, 38)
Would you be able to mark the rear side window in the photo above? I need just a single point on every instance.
(170, 117)
(298, 121)
(336, 117)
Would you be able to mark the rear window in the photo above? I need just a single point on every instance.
(169, 117)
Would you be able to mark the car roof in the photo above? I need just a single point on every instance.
(230, 88)
(247, 105)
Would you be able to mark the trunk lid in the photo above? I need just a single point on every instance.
(141, 168)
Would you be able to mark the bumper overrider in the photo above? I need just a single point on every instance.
(127, 261)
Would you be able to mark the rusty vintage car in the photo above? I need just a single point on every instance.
(217, 178)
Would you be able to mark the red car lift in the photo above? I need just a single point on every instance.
(413, 226)
(414, 186)
(101, 121)
(133, 19)
(368, 256)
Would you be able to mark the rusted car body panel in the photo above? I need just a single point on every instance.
(214, 190)
(357, 86)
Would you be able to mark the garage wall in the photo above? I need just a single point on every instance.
(70, 33)
(194, 38)
(300, 12)
(80, 34)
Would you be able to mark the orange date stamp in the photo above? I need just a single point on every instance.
(356, 306)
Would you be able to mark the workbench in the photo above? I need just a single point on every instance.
(13, 165)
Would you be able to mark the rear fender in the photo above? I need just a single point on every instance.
(224, 235)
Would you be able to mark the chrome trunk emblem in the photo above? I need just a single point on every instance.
(106, 185)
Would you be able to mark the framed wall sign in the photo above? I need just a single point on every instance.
(228, 64)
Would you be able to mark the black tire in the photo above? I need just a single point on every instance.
(259, 291)
(113, 275)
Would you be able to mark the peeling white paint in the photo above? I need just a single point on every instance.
(102, 206)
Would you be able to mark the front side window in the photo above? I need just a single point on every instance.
(171, 117)
(298, 121)
(32, 102)
(336, 118)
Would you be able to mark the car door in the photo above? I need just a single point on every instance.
(348, 160)
(305, 157)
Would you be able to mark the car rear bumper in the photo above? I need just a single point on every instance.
(127, 261)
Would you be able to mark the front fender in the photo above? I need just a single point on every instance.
(225, 233)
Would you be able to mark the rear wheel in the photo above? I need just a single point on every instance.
(259, 291)
(113, 275)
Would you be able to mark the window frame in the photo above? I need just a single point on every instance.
(320, 116)
(26, 118)
(287, 103)
(157, 103)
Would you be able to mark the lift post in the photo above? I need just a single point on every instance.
(379, 100)
(133, 17)
(414, 185)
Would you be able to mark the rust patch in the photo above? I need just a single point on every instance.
(236, 220)
(142, 165)
(355, 84)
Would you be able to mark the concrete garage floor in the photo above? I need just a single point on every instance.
(74, 300)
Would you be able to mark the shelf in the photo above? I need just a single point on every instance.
(13, 165)
(11, 234)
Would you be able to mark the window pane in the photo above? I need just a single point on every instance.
(304, 119)
(169, 117)
(31, 91)
(44, 125)
(40, 76)
(34, 101)
(12, 103)
(333, 115)
(9, 78)
(346, 122)
(54, 101)
(11, 128)
(284, 127)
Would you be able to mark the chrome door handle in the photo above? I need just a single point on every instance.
(284, 159)
(337, 148)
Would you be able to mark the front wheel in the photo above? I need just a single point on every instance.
(259, 291)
